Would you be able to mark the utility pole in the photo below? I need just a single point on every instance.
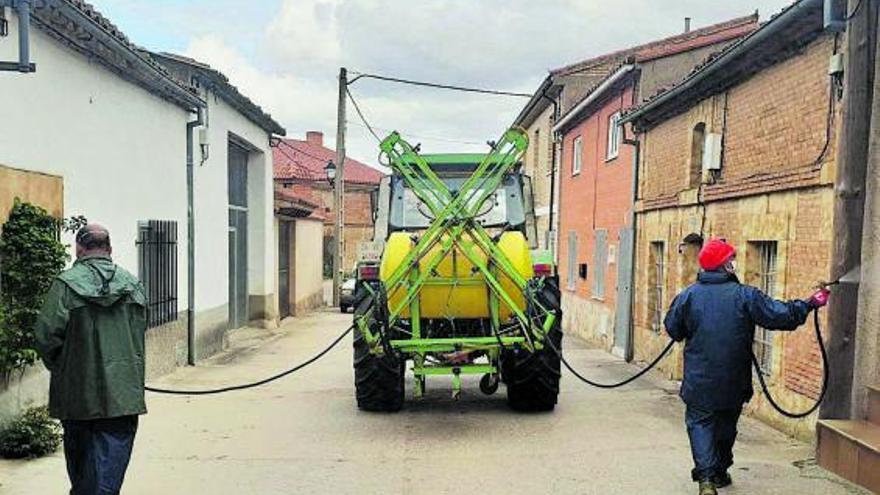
(849, 205)
(339, 187)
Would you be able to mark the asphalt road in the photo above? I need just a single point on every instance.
(304, 435)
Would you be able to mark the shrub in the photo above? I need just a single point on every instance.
(34, 434)
(31, 256)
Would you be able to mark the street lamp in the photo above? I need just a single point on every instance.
(330, 171)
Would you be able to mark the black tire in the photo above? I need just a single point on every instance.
(532, 378)
(343, 308)
(378, 379)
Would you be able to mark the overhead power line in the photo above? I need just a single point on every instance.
(438, 85)
(357, 108)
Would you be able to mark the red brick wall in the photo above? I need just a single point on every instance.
(775, 124)
(599, 197)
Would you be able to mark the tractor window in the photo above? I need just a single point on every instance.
(417, 215)
(504, 207)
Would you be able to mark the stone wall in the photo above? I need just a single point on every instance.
(771, 188)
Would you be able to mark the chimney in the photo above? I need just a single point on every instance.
(687, 24)
(315, 138)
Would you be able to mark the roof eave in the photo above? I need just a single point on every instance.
(51, 16)
(702, 83)
(539, 102)
(594, 96)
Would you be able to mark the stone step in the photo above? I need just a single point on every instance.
(850, 449)
(874, 404)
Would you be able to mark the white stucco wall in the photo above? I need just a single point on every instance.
(120, 149)
(308, 270)
(211, 201)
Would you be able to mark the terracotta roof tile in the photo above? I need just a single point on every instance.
(301, 160)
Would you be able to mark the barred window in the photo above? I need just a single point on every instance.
(157, 269)
(657, 276)
(765, 279)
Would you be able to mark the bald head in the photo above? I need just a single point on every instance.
(93, 239)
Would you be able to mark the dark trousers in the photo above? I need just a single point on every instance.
(712, 434)
(97, 453)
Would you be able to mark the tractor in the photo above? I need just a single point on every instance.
(455, 287)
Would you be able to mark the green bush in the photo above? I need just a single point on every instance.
(34, 434)
(31, 256)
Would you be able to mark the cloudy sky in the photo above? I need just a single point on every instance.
(286, 54)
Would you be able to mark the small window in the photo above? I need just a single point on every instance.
(656, 279)
(571, 274)
(157, 269)
(764, 277)
(577, 155)
(698, 147)
(600, 260)
(613, 136)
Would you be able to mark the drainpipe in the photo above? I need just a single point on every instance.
(552, 177)
(23, 10)
(191, 241)
(637, 147)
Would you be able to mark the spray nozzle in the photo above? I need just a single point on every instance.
(825, 285)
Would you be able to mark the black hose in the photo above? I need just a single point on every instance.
(611, 385)
(804, 414)
(258, 383)
(779, 409)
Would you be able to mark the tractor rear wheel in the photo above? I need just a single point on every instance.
(532, 378)
(378, 379)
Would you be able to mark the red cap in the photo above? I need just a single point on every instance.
(715, 254)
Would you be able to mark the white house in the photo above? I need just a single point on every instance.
(108, 124)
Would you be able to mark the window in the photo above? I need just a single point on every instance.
(571, 273)
(698, 146)
(157, 269)
(613, 136)
(536, 152)
(577, 155)
(600, 261)
(765, 279)
(656, 278)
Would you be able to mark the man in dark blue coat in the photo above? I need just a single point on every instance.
(716, 317)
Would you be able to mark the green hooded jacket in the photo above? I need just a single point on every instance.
(90, 335)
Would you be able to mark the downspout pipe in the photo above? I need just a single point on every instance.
(23, 8)
(191, 239)
(550, 223)
(23, 11)
(637, 148)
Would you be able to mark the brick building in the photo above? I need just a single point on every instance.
(596, 176)
(566, 86)
(299, 165)
(743, 148)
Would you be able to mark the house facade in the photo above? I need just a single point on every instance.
(596, 190)
(744, 149)
(100, 129)
(300, 163)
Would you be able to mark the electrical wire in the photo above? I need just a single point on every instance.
(272, 378)
(437, 85)
(357, 108)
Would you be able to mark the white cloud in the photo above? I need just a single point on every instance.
(491, 43)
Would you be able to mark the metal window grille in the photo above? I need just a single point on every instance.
(600, 261)
(766, 278)
(656, 291)
(157, 268)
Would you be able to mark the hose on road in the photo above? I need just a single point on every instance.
(761, 379)
(272, 378)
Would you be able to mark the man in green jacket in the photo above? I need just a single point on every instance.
(90, 335)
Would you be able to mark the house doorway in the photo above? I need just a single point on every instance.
(237, 161)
